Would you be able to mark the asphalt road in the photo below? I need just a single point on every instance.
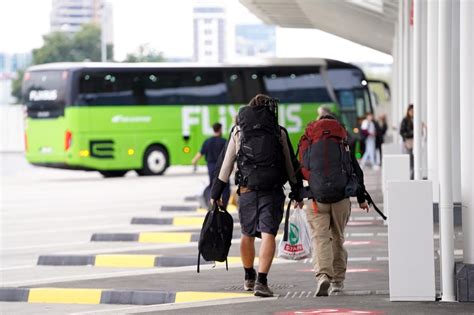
(46, 212)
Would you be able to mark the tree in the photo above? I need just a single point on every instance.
(82, 46)
(145, 54)
(65, 47)
(16, 85)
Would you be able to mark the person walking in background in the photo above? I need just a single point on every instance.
(381, 130)
(370, 132)
(211, 149)
(406, 131)
(265, 161)
(323, 111)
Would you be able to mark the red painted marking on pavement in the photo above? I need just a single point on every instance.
(350, 270)
(357, 243)
(358, 223)
(332, 311)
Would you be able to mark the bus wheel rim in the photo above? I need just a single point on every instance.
(156, 161)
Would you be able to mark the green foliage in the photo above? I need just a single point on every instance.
(64, 47)
(145, 54)
(16, 85)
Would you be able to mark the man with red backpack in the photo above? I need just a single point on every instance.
(333, 175)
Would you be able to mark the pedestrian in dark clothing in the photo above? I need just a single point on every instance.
(265, 161)
(211, 149)
(406, 131)
(381, 129)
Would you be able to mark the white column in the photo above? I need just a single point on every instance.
(417, 95)
(446, 223)
(406, 55)
(432, 96)
(455, 133)
(467, 132)
(401, 88)
(392, 117)
(424, 107)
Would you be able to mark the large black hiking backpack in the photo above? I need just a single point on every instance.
(260, 157)
(326, 159)
(216, 236)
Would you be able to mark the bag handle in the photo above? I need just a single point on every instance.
(371, 202)
(287, 219)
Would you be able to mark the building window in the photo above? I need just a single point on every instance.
(207, 21)
(208, 42)
(207, 32)
(208, 53)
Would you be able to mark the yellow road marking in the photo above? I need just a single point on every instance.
(125, 261)
(190, 296)
(163, 237)
(188, 221)
(68, 296)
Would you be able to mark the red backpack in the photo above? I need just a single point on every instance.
(325, 159)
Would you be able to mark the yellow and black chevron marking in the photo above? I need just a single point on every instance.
(125, 261)
(104, 296)
(190, 209)
(147, 237)
(176, 221)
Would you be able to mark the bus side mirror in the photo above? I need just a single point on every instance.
(186, 138)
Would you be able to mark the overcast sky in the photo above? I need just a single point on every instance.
(167, 26)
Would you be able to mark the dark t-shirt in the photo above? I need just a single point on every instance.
(212, 147)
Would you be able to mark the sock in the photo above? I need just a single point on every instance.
(249, 273)
(262, 278)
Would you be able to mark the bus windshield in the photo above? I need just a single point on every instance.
(44, 93)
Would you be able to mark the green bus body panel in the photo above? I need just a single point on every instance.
(123, 133)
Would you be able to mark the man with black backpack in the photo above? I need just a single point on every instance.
(265, 161)
(333, 175)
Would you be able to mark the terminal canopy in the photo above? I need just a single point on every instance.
(367, 22)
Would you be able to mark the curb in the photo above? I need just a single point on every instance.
(115, 260)
(177, 221)
(103, 296)
(152, 237)
(129, 261)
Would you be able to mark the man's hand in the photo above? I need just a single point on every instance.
(299, 204)
(364, 206)
(219, 202)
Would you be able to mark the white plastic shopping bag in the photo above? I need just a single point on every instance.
(297, 245)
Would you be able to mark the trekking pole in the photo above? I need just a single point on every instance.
(371, 202)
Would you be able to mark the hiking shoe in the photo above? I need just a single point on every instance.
(322, 286)
(262, 290)
(249, 285)
(336, 287)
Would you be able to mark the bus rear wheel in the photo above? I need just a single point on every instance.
(111, 174)
(155, 161)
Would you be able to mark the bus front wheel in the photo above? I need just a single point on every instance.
(155, 161)
(110, 174)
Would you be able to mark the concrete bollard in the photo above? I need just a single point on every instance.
(410, 241)
(394, 167)
(391, 148)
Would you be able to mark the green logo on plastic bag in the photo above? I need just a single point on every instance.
(294, 236)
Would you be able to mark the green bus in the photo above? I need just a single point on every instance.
(116, 117)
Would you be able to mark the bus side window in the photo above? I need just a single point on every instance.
(253, 84)
(235, 86)
(295, 85)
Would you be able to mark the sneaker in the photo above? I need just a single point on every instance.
(262, 290)
(336, 287)
(249, 285)
(323, 286)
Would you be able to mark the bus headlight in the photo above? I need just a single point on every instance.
(186, 149)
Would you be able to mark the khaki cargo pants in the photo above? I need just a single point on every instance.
(327, 226)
